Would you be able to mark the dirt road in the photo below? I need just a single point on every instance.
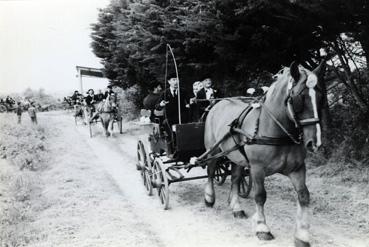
(93, 195)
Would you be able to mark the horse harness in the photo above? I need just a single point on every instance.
(294, 103)
(236, 131)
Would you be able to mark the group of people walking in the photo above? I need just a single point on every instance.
(31, 108)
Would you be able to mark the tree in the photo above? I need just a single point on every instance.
(237, 43)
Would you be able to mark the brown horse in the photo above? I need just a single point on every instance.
(272, 131)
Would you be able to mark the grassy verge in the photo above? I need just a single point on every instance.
(23, 156)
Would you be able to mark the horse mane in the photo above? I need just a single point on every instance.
(281, 80)
(283, 76)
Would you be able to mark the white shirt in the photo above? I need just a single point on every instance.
(173, 91)
(209, 93)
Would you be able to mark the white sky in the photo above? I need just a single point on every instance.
(41, 42)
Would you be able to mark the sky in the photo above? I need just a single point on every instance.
(42, 42)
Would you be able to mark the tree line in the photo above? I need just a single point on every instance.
(238, 43)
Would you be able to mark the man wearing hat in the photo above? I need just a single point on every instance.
(169, 102)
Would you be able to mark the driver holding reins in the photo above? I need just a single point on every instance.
(169, 102)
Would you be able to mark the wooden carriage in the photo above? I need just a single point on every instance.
(164, 159)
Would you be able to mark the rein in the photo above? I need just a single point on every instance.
(107, 105)
(235, 128)
(281, 125)
(252, 140)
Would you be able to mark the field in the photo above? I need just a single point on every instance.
(59, 187)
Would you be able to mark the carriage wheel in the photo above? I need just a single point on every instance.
(3, 108)
(245, 185)
(141, 156)
(160, 182)
(144, 167)
(146, 176)
(221, 172)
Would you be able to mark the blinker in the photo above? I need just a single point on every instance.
(311, 81)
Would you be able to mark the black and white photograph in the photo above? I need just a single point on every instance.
(184, 123)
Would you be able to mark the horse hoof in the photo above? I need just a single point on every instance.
(209, 204)
(300, 243)
(265, 236)
(240, 214)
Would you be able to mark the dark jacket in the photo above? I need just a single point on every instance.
(108, 93)
(90, 100)
(194, 109)
(99, 97)
(171, 109)
(151, 100)
(19, 110)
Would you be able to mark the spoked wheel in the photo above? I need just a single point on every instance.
(245, 184)
(160, 182)
(144, 166)
(146, 176)
(141, 156)
(3, 108)
(221, 172)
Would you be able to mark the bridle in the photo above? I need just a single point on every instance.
(292, 98)
(107, 106)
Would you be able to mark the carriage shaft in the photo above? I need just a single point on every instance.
(186, 179)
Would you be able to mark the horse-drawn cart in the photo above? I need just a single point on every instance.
(161, 165)
(107, 113)
(167, 155)
(271, 136)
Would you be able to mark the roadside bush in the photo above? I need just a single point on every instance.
(23, 144)
(349, 133)
(23, 152)
(129, 102)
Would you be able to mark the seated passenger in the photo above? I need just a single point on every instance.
(99, 96)
(90, 98)
(205, 95)
(89, 101)
(75, 97)
(151, 100)
(109, 91)
(194, 107)
(9, 100)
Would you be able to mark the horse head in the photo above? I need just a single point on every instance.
(305, 98)
(109, 104)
